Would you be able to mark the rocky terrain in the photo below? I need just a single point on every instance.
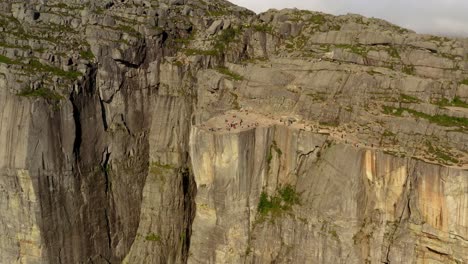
(191, 131)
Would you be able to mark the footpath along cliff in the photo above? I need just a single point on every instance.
(196, 131)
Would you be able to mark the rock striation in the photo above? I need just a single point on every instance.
(175, 131)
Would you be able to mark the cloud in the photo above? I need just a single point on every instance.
(443, 17)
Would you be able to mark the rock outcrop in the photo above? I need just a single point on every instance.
(199, 132)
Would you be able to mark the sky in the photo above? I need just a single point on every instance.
(441, 17)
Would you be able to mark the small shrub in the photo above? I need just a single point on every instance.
(458, 102)
(227, 36)
(282, 201)
(87, 54)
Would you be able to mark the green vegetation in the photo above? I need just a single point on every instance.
(455, 102)
(182, 237)
(408, 69)
(441, 120)
(153, 237)
(297, 43)
(393, 52)
(282, 201)
(227, 36)
(35, 65)
(7, 60)
(59, 5)
(356, 49)
(87, 54)
(333, 233)
(274, 147)
(465, 82)
(263, 28)
(128, 29)
(43, 93)
(387, 133)
(218, 13)
(156, 167)
(221, 43)
(440, 154)
(232, 75)
(318, 19)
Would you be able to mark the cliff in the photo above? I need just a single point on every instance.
(199, 132)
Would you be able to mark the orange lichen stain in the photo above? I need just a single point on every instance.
(432, 201)
(369, 164)
(386, 177)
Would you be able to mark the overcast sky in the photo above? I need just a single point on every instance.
(445, 17)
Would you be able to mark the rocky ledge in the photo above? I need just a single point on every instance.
(199, 132)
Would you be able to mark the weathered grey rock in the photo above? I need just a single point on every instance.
(143, 132)
(215, 27)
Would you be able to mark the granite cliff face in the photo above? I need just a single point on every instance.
(198, 132)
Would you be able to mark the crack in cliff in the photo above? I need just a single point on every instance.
(105, 166)
(406, 208)
(78, 132)
(108, 229)
(189, 192)
(103, 113)
(127, 64)
(410, 171)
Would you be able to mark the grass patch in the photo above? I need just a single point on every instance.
(158, 165)
(458, 102)
(465, 82)
(266, 28)
(6, 60)
(441, 120)
(87, 54)
(440, 154)
(455, 102)
(282, 201)
(232, 75)
(356, 49)
(128, 29)
(317, 19)
(43, 93)
(35, 65)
